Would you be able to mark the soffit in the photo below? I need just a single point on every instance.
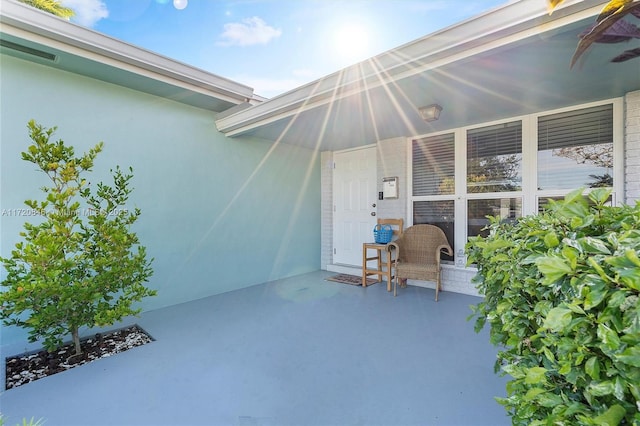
(485, 78)
(83, 51)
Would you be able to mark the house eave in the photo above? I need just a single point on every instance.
(23, 22)
(517, 20)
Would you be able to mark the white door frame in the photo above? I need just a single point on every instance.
(353, 219)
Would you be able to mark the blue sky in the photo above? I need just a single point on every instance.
(272, 45)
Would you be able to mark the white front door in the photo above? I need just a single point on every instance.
(354, 201)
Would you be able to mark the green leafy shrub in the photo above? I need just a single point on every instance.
(562, 300)
(81, 265)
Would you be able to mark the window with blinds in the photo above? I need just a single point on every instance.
(434, 165)
(439, 213)
(575, 149)
(507, 209)
(565, 150)
(494, 158)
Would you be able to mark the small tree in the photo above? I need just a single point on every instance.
(81, 265)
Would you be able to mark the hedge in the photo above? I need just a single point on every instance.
(561, 296)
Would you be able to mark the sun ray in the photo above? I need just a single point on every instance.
(307, 180)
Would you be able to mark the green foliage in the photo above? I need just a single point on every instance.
(610, 27)
(81, 265)
(562, 299)
(54, 7)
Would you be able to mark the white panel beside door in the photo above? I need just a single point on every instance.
(355, 197)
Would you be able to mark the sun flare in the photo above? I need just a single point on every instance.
(351, 42)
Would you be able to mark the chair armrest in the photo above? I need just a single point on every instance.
(446, 248)
(393, 246)
(443, 248)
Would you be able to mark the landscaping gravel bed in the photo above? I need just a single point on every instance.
(28, 367)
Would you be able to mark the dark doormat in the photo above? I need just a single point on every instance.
(350, 279)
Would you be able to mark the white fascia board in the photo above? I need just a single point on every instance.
(498, 27)
(41, 27)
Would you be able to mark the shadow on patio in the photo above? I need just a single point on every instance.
(298, 351)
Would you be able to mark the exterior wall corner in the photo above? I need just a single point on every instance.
(632, 147)
(392, 162)
(326, 216)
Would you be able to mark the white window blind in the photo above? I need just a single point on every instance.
(575, 148)
(588, 126)
(494, 158)
(434, 165)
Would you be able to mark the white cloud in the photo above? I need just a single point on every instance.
(248, 32)
(87, 12)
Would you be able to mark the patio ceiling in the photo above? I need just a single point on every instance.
(511, 61)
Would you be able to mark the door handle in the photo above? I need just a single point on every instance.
(373, 213)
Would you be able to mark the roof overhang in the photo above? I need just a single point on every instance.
(509, 61)
(41, 37)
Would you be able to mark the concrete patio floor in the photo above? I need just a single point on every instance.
(298, 351)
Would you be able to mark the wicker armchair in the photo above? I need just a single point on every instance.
(417, 253)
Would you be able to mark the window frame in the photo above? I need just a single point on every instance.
(529, 193)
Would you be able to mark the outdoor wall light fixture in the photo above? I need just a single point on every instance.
(430, 112)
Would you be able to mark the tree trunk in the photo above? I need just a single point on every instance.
(76, 340)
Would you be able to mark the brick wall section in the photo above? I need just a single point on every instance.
(326, 202)
(632, 147)
(458, 280)
(392, 161)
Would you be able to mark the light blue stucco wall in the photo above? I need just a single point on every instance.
(218, 214)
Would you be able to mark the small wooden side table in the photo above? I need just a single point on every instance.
(383, 268)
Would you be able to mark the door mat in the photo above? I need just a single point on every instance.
(350, 279)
